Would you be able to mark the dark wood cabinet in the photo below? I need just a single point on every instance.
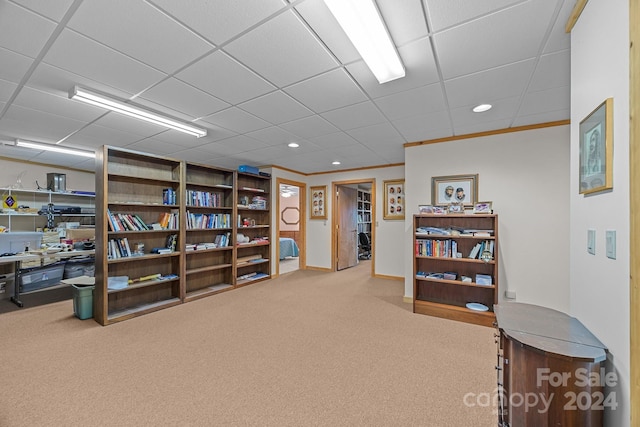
(551, 369)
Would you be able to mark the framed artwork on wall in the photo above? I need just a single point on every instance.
(458, 189)
(394, 197)
(318, 202)
(596, 150)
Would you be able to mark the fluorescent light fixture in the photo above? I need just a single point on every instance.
(362, 22)
(84, 95)
(56, 148)
(287, 194)
(482, 108)
(335, 163)
(293, 145)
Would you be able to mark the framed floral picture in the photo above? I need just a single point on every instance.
(394, 197)
(318, 202)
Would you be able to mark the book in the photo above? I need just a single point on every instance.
(475, 250)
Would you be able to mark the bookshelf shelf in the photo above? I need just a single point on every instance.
(458, 258)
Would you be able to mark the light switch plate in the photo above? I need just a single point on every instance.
(591, 241)
(611, 243)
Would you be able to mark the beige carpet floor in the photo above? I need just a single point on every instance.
(309, 348)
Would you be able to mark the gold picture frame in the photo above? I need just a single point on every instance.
(596, 150)
(394, 198)
(454, 189)
(318, 202)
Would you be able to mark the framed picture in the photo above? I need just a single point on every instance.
(394, 199)
(456, 208)
(596, 150)
(482, 208)
(425, 209)
(318, 202)
(439, 210)
(454, 189)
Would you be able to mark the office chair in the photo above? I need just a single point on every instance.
(364, 244)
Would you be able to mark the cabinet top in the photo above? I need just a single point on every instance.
(548, 330)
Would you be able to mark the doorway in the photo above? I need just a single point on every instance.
(291, 226)
(353, 213)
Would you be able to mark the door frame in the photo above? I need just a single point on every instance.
(302, 201)
(334, 221)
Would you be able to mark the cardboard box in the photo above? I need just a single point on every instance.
(80, 234)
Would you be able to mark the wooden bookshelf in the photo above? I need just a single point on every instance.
(132, 184)
(439, 289)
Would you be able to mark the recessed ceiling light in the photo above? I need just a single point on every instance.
(335, 163)
(482, 108)
(293, 145)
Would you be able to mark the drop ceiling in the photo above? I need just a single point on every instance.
(259, 74)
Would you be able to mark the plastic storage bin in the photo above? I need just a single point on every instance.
(83, 301)
(32, 279)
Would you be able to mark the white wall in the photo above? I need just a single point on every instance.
(525, 175)
(389, 250)
(599, 291)
(32, 172)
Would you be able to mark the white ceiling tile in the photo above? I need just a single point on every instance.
(502, 109)
(328, 91)
(489, 42)
(425, 126)
(543, 117)
(6, 90)
(127, 124)
(57, 105)
(276, 108)
(23, 31)
(51, 9)
(309, 127)
(42, 126)
(220, 20)
(95, 136)
(405, 24)
(236, 120)
(355, 116)
(14, 65)
(484, 86)
(274, 135)
(282, 50)
(383, 133)
(124, 26)
(559, 39)
(233, 145)
(223, 76)
(154, 146)
(546, 100)
(419, 65)
(79, 55)
(183, 98)
(447, 13)
(412, 102)
(553, 70)
(338, 139)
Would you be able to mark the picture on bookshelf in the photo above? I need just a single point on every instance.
(454, 189)
(483, 208)
(394, 197)
(318, 202)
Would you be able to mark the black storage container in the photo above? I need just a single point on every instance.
(79, 266)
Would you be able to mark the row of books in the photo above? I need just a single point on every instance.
(208, 220)
(454, 231)
(437, 248)
(220, 241)
(252, 276)
(169, 220)
(169, 196)
(119, 248)
(480, 279)
(480, 248)
(125, 222)
(204, 198)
